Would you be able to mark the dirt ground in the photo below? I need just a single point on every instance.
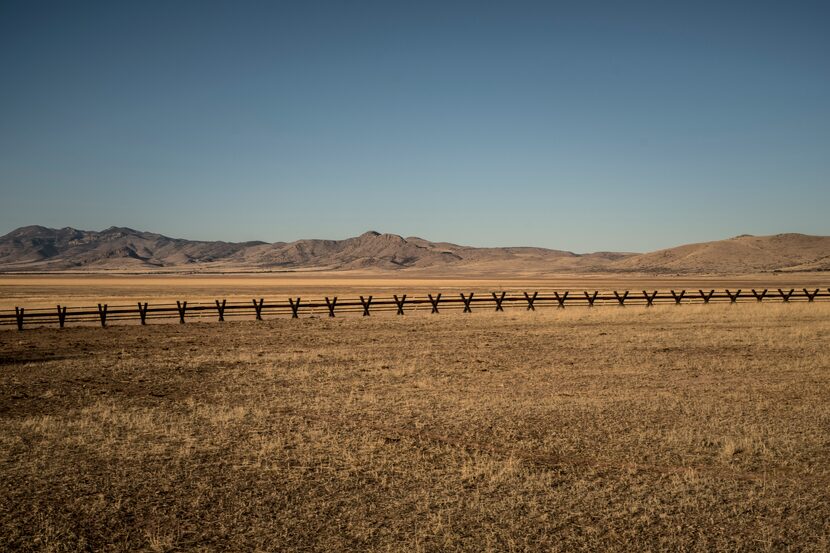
(675, 428)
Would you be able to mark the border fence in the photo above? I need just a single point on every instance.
(332, 306)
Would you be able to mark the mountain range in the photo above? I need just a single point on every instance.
(41, 249)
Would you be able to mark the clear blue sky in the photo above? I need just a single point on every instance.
(574, 125)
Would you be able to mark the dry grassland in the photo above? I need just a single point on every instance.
(690, 428)
(88, 290)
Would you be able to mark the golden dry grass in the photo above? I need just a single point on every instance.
(47, 290)
(693, 428)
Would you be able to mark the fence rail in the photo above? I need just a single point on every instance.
(182, 311)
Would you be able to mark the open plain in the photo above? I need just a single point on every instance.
(687, 427)
(47, 290)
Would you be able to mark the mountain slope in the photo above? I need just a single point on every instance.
(742, 254)
(41, 248)
(38, 248)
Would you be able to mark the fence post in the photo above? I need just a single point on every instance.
(220, 307)
(295, 307)
(399, 303)
(530, 300)
(562, 299)
(678, 297)
(467, 302)
(591, 299)
(61, 315)
(810, 297)
(621, 299)
(366, 304)
(733, 298)
(102, 313)
(182, 307)
(706, 297)
(330, 304)
(499, 299)
(650, 299)
(258, 308)
(434, 302)
(786, 297)
(142, 312)
(759, 297)
(18, 314)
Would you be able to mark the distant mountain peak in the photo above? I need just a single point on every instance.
(121, 229)
(38, 248)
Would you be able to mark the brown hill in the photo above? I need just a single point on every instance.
(742, 254)
(43, 249)
(38, 248)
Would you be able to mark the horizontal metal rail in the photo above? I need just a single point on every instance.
(365, 305)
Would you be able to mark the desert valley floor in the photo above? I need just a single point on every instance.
(45, 290)
(687, 427)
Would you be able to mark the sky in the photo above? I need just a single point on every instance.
(585, 126)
